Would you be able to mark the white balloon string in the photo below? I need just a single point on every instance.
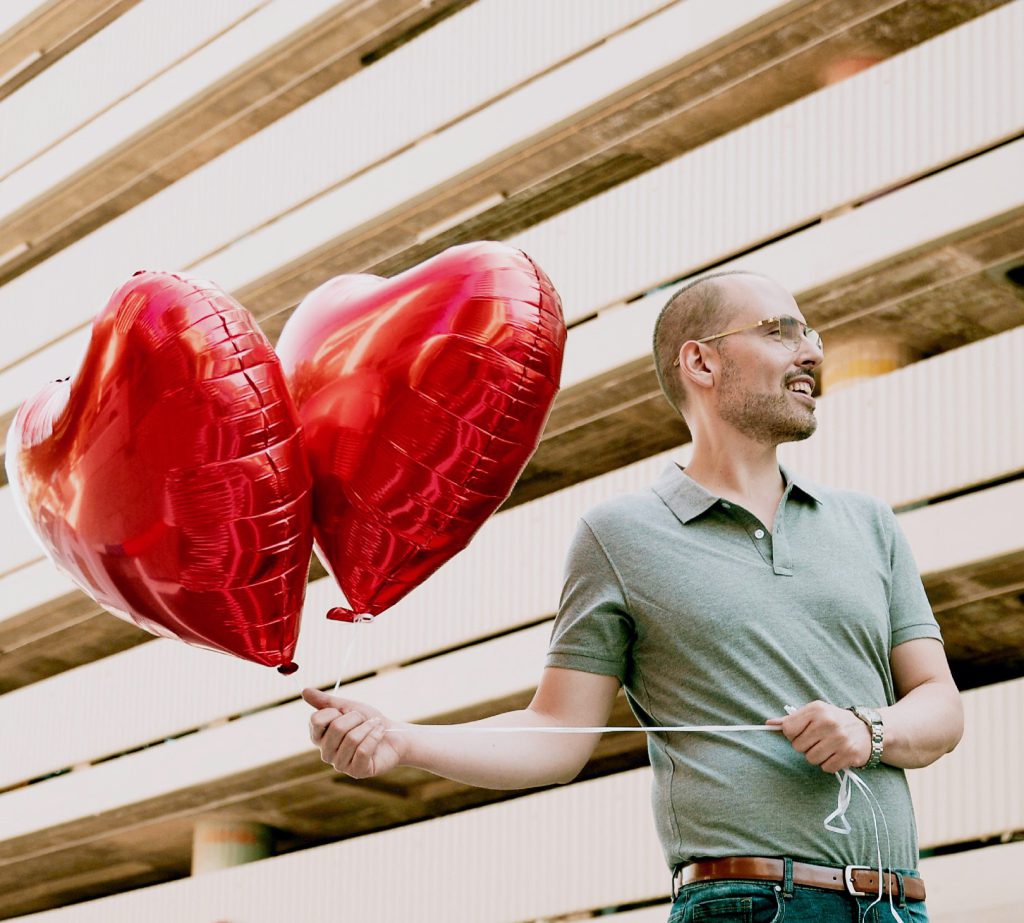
(346, 663)
(872, 803)
(463, 729)
(836, 822)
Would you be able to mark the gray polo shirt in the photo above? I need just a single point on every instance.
(707, 617)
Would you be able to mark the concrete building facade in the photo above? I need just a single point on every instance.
(865, 154)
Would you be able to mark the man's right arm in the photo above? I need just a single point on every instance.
(358, 740)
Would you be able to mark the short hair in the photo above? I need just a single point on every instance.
(694, 311)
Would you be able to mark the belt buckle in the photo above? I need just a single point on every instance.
(848, 879)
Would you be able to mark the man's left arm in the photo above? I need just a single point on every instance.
(927, 720)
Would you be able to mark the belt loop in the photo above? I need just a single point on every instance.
(676, 879)
(787, 878)
(902, 893)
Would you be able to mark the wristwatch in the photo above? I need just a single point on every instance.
(874, 722)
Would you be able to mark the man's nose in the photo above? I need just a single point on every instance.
(810, 355)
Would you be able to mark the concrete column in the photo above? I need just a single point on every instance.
(220, 844)
(863, 357)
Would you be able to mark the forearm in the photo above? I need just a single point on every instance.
(925, 724)
(504, 761)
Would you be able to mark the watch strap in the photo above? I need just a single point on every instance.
(873, 720)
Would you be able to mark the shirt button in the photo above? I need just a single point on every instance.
(759, 533)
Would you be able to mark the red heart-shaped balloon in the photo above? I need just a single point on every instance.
(422, 398)
(169, 479)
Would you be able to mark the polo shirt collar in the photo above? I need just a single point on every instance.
(682, 494)
(799, 483)
(688, 499)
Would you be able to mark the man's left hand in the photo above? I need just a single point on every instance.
(828, 736)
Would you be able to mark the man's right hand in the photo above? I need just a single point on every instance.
(351, 735)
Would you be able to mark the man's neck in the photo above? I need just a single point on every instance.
(746, 472)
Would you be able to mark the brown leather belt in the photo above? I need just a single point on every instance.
(858, 880)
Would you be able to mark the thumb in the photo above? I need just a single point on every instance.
(319, 699)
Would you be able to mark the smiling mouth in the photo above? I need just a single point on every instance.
(802, 388)
(805, 398)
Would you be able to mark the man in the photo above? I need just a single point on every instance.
(724, 594)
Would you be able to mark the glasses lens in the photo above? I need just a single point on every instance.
(789, 332)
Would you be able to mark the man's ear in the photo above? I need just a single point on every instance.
(697, 365)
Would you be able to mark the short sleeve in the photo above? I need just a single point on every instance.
(593, 630)
(910, 613)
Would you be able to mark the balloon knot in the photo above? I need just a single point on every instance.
(287, 669)
(341, 614)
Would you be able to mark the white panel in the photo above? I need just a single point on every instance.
(17, 546)
(163, 688)
(976, 792)
(31, 586)
(579, 847)
(926, 429)
(918, 215)
(60, 360)
(980, 886)
(980, 526)
(115, 62)
(835, 146)
(170, 86)
(253, 184)
(482, 592)
(540, 856)
(499, 668)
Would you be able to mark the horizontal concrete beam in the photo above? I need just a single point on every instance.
(148, 39)
(35, 35)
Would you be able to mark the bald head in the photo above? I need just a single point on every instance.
(701, 308)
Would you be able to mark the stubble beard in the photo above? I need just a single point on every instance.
(767, 418)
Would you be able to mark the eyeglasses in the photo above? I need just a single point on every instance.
(788, 333)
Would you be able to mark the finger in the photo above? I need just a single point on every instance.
(821, 752)
(775, 722)
(320, 699)
(797, 725)
(335, 735)
(319, 721)
(352, 740)
(803, 741)
(834, 764)
(362, 763)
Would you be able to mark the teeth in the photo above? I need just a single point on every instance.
(800, 386)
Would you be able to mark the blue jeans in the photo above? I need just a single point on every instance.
(764, 902)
